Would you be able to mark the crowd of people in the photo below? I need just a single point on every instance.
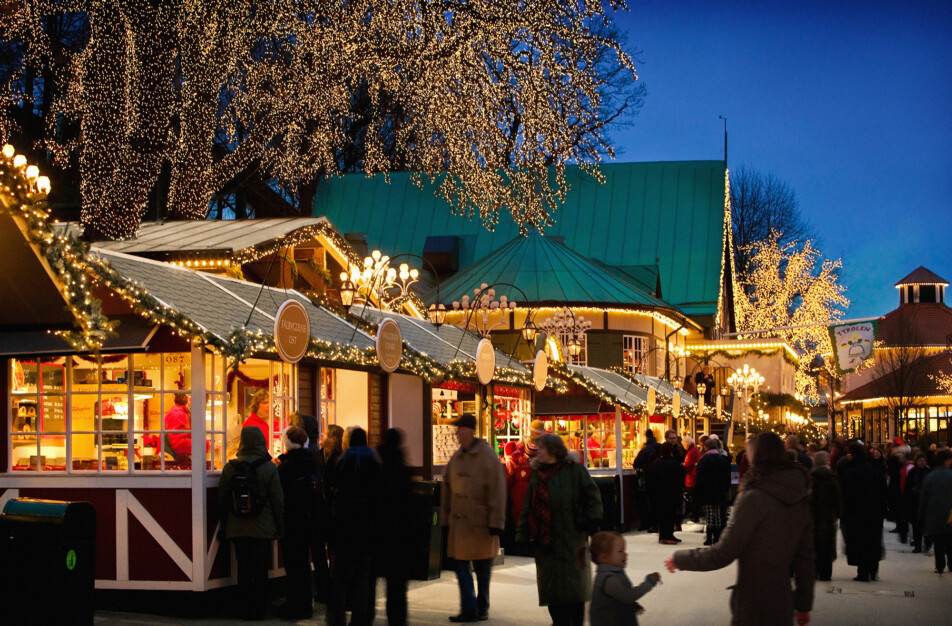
(324, 497)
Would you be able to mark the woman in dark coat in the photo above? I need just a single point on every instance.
(864, 508)
(562, 507)
(768, 534)
(712, 489)
(826, 507)
(665, 488)
(299, 474)
(910, 497)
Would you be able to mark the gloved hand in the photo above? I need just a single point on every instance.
(803, 618)
(497, 532)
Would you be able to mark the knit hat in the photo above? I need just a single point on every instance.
(294, 438)
(536, 428)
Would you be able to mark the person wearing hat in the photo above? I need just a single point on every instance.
(300, 477)
(536, 429)
(473, 507)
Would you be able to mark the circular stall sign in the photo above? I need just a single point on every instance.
(389, 345)
(485, 361)
(292, 331)
(540, 370)
(651, 400)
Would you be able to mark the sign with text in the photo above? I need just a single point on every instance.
(852, 344)
(389, 345)
(292, 331)
(540, 370)
(485, 361)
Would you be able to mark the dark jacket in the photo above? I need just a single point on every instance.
(269, 524)
(356, 512)
(646, 455)
(935, 502)
(396, 503)
(300, 480)
(910, 495)
(572, 493)
(864, 507)
(769, 533)
(826, 507)
(666, 482)
(713, 479)
(614, 598)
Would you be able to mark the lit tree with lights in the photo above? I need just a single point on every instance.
(490, 100)
(790, 285)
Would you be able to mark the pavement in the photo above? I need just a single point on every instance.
(908, 591)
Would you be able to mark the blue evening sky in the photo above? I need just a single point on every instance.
(848, 102)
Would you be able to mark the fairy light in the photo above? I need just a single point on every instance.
(802, 295)
(452, 76)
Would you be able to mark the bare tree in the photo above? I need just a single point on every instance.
(901, 370)
(762, 204)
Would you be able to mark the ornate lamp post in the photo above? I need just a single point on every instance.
(484, 302)
(746, 383)
(569, 330)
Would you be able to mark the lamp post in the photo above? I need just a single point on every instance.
(746, 382)
(564, 324)
(484, 300)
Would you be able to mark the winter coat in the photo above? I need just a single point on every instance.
(691, 458)
(614, 599)
(713, 479)
(575, 500)
(269, 524)
(647, 454)
(260, 424)
(769, 533)
(356, 506)
(826, 507)
(517, 481)
(398, 508)
(935, 502)
(910, 495)
(472, 501)
(179, 418)
(665, 483)
(300, 480)
(864, 507)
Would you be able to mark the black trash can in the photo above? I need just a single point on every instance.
(47, 561)
(608, 488)
(425, 533)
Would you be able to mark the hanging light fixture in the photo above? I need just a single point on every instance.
(437, 314)
(347, 290)
(529, 332)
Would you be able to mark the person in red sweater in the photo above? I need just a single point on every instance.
(178, 426)
(691, 457)
(260, 402)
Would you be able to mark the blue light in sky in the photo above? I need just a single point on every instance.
(848, 102)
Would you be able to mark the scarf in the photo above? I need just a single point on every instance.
(540, 513)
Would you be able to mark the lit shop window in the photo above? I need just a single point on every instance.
(262, 394)
(328, 398)
(634, 354)
(592, 438)
(449, 402)
(510, 417)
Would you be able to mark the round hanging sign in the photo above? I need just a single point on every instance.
(717, 404)
(676, 403)
(651, 400)
(485, 361)
(389, 345)
(540, 370)
(292, 331)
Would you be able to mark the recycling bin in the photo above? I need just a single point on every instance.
(47, 551)
(425, 531)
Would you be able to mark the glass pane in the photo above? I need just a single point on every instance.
(115, 450)
(177, 424)
(177, 371)
(24, 452)
(86, 374)
(53, 449)
(85, 453)
(147, 372)
(24, 376)
(53, 376)
(147, 448)
(52, 414)
(24, 413)
(216, 452)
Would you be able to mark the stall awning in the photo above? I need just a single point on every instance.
(133, 333)
(620, 389)
(567, 405)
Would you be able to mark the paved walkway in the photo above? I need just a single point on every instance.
(908, 591)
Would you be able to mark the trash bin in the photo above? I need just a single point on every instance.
(47, 552)
(609, 490)
(425, 532)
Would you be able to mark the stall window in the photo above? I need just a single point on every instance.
(279, 379)
(511, 415)
(328, 398)
(448, 404)
(593, 438)
(634, 353)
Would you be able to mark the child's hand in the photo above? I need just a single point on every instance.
(655, 577)
(639, 610)
(669, 564)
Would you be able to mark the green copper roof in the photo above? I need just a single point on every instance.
(546, 270)
(668, 214)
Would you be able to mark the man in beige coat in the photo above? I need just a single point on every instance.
(473, 506)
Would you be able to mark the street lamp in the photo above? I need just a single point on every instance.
(746, 382)
(568, 329)
(484, 300)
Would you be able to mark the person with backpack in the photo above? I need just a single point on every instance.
(251, 505)
(300, 476)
